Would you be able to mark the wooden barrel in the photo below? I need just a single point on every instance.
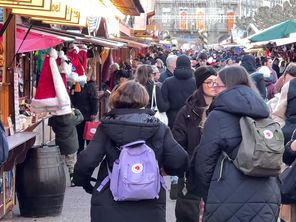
(41, 182)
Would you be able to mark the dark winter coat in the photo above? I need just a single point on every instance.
(234, 197)
(164, 75)
(176, 90)
(290, 122)
(87, 100)
(187, 133)
(161, 104)
(64, 127)
(289, 155)
(119, 127)
(186, 130)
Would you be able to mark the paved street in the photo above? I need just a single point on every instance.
(76, 209)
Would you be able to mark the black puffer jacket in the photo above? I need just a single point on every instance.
(186, 130)
(235, 197)
(119, 127)
(176, 90)
(64, 127)
(87, 100)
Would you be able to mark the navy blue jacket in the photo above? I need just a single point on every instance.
(235, 197)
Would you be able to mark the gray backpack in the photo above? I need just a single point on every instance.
(261, 149)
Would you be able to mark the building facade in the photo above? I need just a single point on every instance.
(194, 20)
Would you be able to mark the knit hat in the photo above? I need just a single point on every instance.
(183, 62)
(203, 56)
(202, 73)
(249, 63)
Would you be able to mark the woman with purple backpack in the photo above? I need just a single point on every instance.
(129, 122)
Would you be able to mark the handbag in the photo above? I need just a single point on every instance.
(90, 129)
(161, 116)
(288, 184)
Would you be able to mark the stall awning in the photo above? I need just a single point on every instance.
(77, 37)
(129, 7)
(131, 43)
(34, 41)
(281, 30)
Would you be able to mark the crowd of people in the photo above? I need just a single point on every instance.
(203, 95)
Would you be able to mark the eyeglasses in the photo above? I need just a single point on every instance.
(213, 84)
(210, 83)
(219, 86)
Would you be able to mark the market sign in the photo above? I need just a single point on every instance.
(44, 5)
(73, 18)
(58, 9)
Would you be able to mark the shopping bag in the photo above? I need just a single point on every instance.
(90, 129)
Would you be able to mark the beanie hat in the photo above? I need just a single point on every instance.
(249, 63)
(183, 62)
(203, 56)
(202, 73)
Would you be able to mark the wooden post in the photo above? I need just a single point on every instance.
(9, 64)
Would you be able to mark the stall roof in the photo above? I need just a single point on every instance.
(281, 30)
(132, 43)
(129, 7)
(72, 36)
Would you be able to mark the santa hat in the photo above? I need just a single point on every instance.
(73, 56)
(51, 94)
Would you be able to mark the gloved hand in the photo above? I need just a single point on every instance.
(88, 188)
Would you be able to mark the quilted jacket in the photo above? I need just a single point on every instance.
(230, 195)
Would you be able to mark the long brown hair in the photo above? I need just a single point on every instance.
(129, 94)
(235, 75)
(144, 74)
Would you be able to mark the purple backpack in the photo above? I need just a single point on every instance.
(135, 174)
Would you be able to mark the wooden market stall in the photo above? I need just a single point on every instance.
(18, 79)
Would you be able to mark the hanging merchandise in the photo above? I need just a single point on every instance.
(65, 68)
(82, 54)
(51, 94)
(76, 64)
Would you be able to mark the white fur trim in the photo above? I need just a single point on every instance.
(63, 111)
(45, 105)
(81, 78)
(72, 77)
(53, 53)
(65, 68)
(59, 86)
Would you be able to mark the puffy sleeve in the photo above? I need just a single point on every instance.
(89, 159)
(175, 158)
(180, 128)
(289, 155)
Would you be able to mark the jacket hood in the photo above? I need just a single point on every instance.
(249, 63)
(183, 73)
(127, 125)
(242, 101)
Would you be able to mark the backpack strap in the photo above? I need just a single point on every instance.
(133, 143)
(224, 157)
(106, 179)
